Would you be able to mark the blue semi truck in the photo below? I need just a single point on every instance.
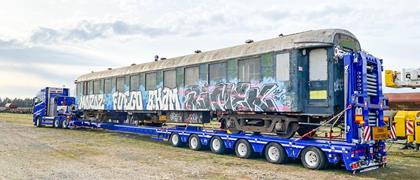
(360, 148)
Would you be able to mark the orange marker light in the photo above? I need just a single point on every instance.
(359, 119)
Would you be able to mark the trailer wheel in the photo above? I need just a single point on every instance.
(65, 124)
(175, 140)
(243, 149)
(313, 158)
(275, 153)
(56, 123)
(217, 145)
(38, 122)
(194, 142)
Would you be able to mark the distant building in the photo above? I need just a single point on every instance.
(10, 106)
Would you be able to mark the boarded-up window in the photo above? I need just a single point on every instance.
(318, 65)
(97, 87)
(134, 83)
(217, 72)
(120, 84)
(191, 75)
(169, 79)
(283, 66)
(249, 70)
(150, 81)
(90, 87)
(108, 86)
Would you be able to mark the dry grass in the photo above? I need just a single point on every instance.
(97, 145)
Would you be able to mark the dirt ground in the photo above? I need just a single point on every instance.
(27, 152)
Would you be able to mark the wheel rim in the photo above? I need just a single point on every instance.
(216, 144)
(242, 149)
(175, 139)
(273, 153)
(38, 122)
(56, 123)
(311, 158)
(194, 142)
(64, 124)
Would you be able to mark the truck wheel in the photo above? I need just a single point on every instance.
(65, 124)
(313, 158)
(217, 145)
(56, 123)
(175, 140)
(38, 122)
(243, 149)
(194, 142)
(275, 153)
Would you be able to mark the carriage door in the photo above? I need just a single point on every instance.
(318, 77)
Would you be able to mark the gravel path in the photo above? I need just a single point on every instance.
(27, 152)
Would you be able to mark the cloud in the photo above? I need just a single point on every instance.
(15, 51)
(29, 66)
(88, 30)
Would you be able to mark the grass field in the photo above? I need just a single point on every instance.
(130, 154)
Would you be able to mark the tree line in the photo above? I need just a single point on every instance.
(27, 102)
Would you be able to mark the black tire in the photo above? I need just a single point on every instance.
(175, 140)
(194, 142)
(243, 149)
(217, 145)
(38, 122)
(275, 153)
(313, 158)
(56, 123)
(65, 124)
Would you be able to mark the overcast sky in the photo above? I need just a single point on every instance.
(52, 42)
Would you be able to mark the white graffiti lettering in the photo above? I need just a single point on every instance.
(91, 102)
(127, 101)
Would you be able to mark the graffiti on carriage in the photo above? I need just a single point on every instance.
(219, 97)
(238, 97)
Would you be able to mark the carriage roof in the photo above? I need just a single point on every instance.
(293, 41)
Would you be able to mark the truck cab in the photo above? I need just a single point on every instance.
(53, 106)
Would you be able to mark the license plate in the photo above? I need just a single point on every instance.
(380, 133)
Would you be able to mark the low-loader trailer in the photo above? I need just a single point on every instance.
(361, 148)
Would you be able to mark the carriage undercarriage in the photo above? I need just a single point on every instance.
(285, 126)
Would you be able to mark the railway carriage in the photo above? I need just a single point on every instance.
(282, 85)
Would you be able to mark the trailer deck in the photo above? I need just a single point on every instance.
(335, 150)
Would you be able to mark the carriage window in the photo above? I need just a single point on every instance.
(134, 83)
(97, 86)
(282, 66)
(108, 86)
(318, 65)
(85, 88)
(169, 79)
(191, 75)
(150, 81)
(120, 84)
(217, 72)
(249, 70)
(79, 88)
(90, 87)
